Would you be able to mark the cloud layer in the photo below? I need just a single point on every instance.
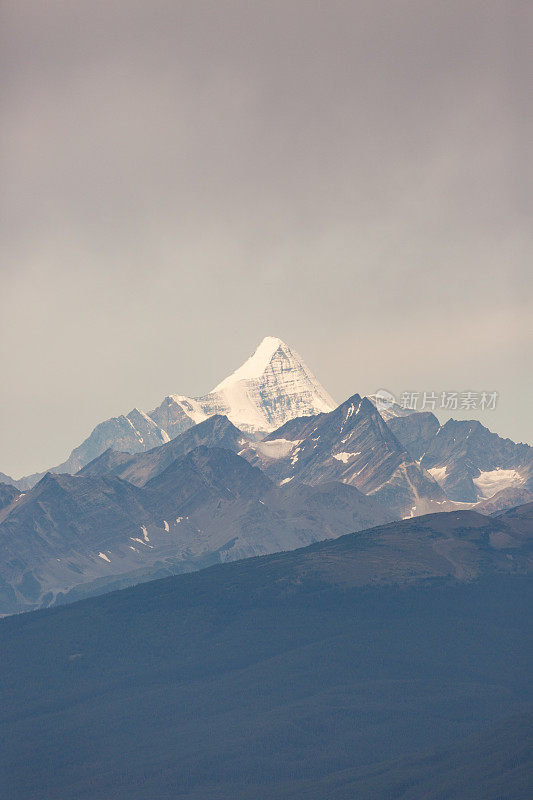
(182, 178)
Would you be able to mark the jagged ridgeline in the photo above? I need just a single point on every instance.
(263, 463)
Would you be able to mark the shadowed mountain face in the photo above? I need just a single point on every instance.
(351, 444)
(415, 432)
(354, 445)
(8, 480)
(216, 431)
(467, 460)
(285, 422)
(8, 494)
(324, 672)
(507, 498)
(57, 533)
(236, 497)
(76, 535)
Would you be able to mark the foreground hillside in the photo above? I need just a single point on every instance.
(495, 764)
(351, 668)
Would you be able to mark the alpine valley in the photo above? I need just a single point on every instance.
(265, 462)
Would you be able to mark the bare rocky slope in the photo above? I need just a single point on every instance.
(71, 536)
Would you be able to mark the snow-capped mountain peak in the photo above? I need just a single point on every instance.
(256, 365)
(269, 388)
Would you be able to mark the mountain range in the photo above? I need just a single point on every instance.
(263, 463)
(351, 444)
(272, 386)
(72, 536)
(470, 463)
(370, 638)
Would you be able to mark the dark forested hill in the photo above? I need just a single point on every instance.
(351, 668)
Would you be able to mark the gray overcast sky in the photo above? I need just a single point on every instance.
(179, 179)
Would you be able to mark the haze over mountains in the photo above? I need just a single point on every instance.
(275, 386)
(370, 639)
(272, 386)
(265, 462)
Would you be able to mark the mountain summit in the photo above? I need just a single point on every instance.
(270, 388)
(273, 386)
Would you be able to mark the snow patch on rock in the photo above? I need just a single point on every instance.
(491, 481)
(438, 473)
(345, 457)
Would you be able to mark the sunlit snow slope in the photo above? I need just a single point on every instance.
(273, 386)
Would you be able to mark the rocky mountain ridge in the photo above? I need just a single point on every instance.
(75, 535)
(285, 422)
(470, 463)
(272, 386)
